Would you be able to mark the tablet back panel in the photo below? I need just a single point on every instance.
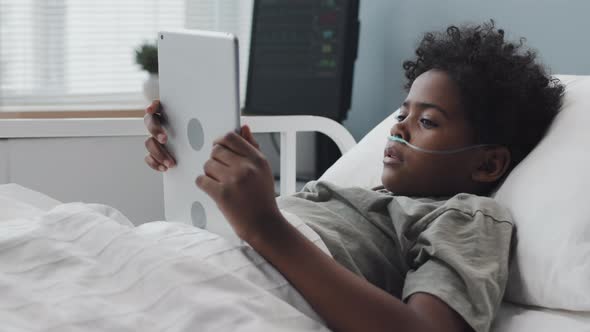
(199, 93)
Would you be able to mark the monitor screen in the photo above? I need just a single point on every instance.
(302, 57)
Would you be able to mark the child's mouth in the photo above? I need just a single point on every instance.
(391, 156)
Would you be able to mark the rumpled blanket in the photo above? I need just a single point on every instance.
(85, 267)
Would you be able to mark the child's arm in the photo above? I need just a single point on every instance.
(346, 301)
(239, 179)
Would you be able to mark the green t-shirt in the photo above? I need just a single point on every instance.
(456, 249)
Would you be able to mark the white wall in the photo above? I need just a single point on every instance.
(106, 170)
(390, 31)
(3, 161)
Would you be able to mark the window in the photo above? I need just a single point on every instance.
(79, 54)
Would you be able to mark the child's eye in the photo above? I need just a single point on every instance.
(428, 124)
(400, 117)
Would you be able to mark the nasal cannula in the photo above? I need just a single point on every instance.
(449, 151)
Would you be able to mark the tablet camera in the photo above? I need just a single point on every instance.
(196, 137)
(198, 215)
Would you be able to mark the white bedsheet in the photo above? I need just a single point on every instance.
(84, 267)
(75, 268)
(514, 318)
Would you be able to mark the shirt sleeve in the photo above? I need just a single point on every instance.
(462, 258)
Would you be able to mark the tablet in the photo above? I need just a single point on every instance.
(199, 94)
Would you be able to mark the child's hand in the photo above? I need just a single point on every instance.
(239, 179)
(159, 157)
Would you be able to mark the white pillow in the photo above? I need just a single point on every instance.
(361, 166)
(546, 194)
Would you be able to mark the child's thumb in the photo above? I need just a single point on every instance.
(247, 134)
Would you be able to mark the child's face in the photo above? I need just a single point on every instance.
(431, 117)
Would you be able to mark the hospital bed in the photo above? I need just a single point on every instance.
(549, 287)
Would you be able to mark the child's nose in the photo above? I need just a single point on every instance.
(400, 129)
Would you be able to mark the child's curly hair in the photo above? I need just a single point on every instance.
(507, 97)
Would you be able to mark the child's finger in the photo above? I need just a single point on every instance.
(216, 170)
(237, 144)
(153, 108)
(224, 155)
(159, 152)
(154, 126)
(209, 186)
(153, 163)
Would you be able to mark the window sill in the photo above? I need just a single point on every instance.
(137, 113)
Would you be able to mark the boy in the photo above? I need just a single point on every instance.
(427, 251)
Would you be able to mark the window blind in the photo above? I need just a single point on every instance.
(79, 54)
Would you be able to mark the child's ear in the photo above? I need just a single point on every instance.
(493, 164)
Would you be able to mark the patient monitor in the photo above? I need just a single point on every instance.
(199, 94)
